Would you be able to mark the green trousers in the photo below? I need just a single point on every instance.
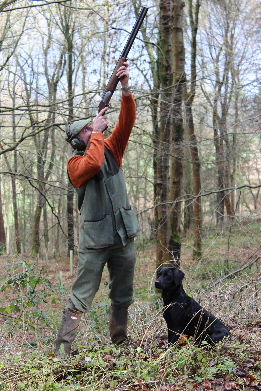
(120, 261)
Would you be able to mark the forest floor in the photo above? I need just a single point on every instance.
(226, 281)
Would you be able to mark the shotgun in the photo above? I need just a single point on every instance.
(113, 81)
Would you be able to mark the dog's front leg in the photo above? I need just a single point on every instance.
(173, 335)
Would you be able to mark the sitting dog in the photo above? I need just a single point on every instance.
(183, 314)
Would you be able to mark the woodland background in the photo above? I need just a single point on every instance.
(193, 172)
(194, 156)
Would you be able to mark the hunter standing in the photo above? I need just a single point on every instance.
(108, 224)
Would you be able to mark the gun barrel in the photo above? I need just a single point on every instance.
(113, 81)
(134, 32)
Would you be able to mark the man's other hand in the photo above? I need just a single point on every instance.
(100, 122)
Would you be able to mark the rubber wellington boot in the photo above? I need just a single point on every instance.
(118, 324)
(67, 332)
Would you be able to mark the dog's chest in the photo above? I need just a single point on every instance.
(175, 311)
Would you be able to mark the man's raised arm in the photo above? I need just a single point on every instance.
(117, 142)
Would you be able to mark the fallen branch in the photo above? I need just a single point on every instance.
(234, 273)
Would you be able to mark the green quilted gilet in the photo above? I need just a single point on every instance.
(105, 209)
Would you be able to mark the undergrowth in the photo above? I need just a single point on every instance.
(33, 296)
(131, 367)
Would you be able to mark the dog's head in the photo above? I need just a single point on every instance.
(169, 278)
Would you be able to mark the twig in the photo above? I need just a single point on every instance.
(31, 178)
(234, 273)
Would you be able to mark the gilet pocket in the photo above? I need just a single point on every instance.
(96, 233)
(130, 222)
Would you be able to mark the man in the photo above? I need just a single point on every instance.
(108, 225)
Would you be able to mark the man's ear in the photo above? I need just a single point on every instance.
(178, 276)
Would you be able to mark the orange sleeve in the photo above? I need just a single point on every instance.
(118, 140)
(83, 168)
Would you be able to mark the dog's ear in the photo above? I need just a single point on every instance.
(158, 271)
(178, 276)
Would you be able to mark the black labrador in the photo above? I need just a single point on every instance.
(183, 314)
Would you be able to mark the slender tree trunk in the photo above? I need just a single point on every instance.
(13, 179)
(197, 209)
(234, 153)
(155, 60)
(163, 147)
(16, 215)
(2, 226)
(46, 233)
(36, 243)
(14, 201)
(197, 212)
(68, 22)
(57, 234)
(23, 221)
(70, 190)
(176, 173)
(226, 169)
(188, 204)
(155, 124)
(219, 157)
(12, 91)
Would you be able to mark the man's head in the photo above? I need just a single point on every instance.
(78, 134)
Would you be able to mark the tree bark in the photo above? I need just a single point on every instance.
(176, 173)
(155, 61)
(70, 190)
(161, 163)
(11, 87)
(196, 166)
(68, 26)
(2, 226)
(188, 205)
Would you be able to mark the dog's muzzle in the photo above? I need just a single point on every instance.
(158, 285)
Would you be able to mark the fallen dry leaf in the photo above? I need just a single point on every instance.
(207, 385)
(230, 385)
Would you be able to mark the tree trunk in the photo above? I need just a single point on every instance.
(68, 31)
(2, 226)
(176, 173)
(219, 157)
(15, 169)
(14, 201)
(197, 209)
(163, 147)
(37, 218)
(155, 61)
(197, 212)
(154, 111)
(188, 204)
(46, 231)
(13, 179)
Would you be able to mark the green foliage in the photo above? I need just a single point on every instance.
(106, 367)
(147, 363)
(214, 269)
(26, 292)
(99, 315)
(199, 363)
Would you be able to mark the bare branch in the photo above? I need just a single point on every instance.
(6, 3)
(19, 174)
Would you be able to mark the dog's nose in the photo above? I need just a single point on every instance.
(157, 284)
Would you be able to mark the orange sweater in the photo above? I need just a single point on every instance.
(83, 168)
